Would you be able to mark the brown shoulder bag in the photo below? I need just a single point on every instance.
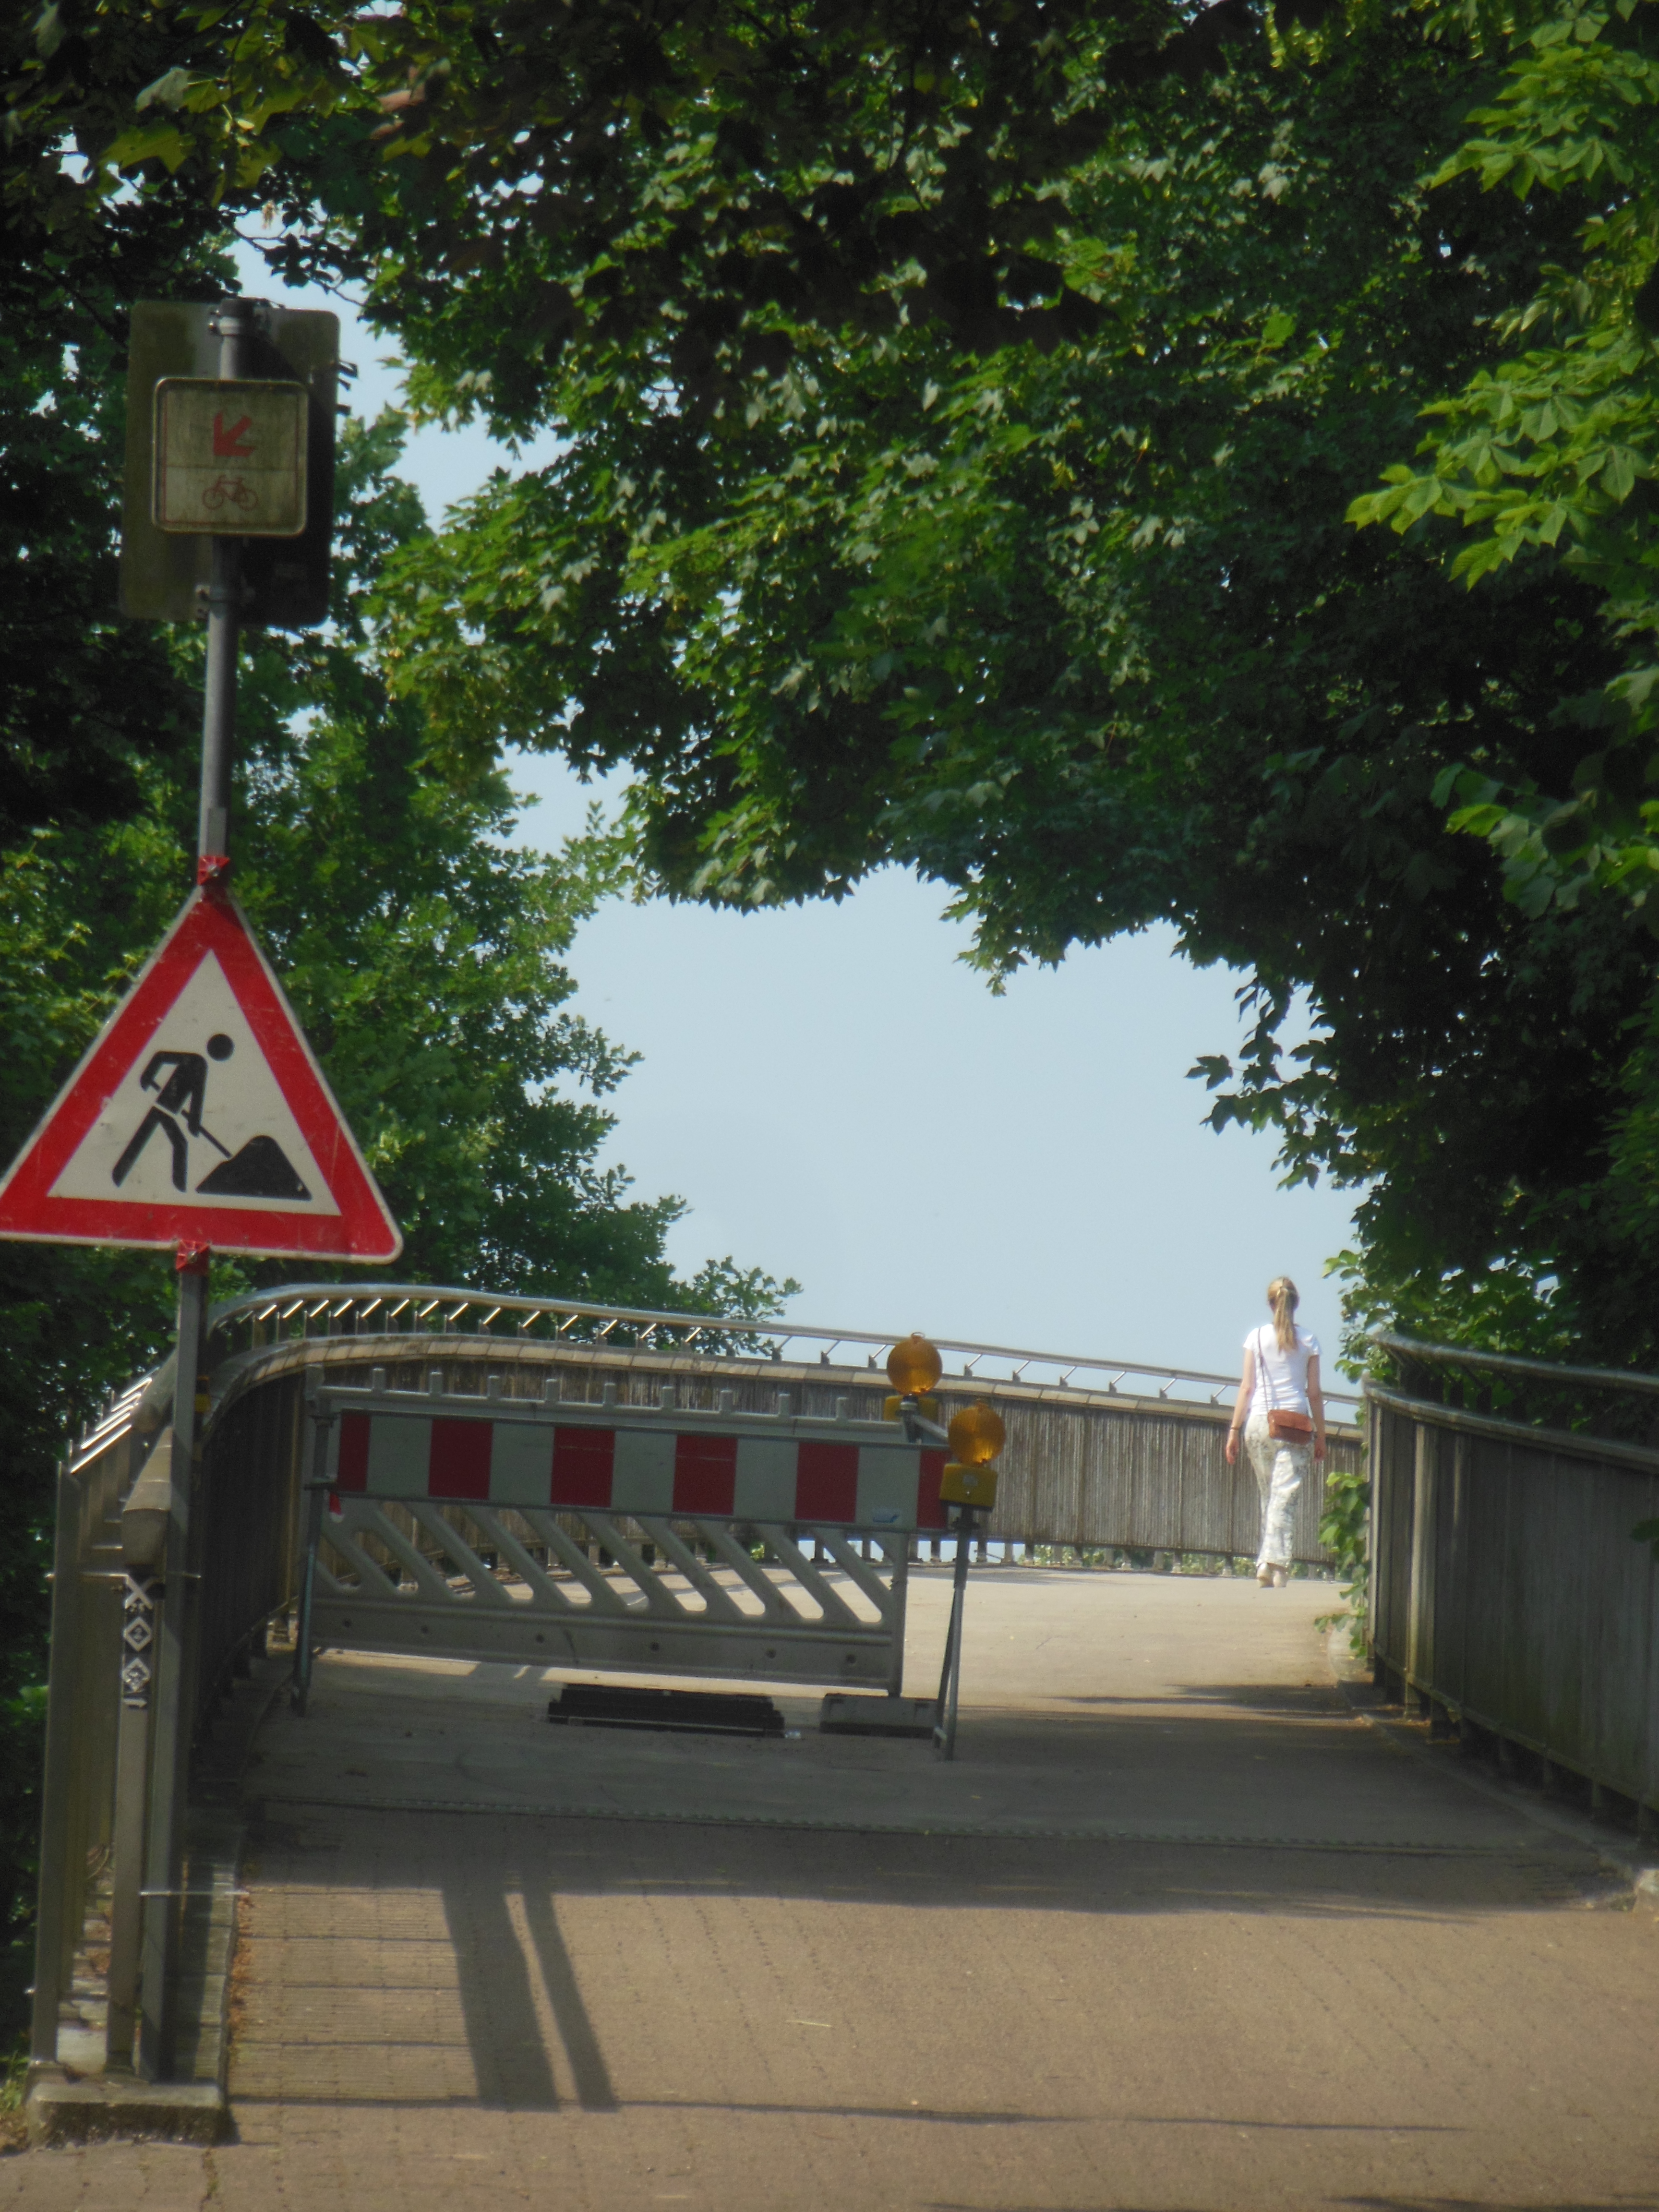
(1284, 1423)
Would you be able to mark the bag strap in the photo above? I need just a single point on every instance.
(1266, 1372)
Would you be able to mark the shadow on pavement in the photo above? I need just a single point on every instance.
(495, 1887)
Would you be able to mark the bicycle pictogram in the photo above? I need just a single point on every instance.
(232, 489)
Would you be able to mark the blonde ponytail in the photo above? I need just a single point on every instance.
(1284, 1297)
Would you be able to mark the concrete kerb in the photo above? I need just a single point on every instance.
(62, 2107)
(63, 2110)
(1079, 1831)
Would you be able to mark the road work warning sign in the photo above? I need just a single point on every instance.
(200, 1116)
(230, 457)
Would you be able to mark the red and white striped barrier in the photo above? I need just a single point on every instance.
(639, 1471)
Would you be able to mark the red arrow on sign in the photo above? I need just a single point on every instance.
(227, 444)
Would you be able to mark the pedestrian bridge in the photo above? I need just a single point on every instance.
(1133, 1710)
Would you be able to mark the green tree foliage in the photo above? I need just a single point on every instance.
(609, 172)
(1081, 632)
(83, 699)
(1547, 456)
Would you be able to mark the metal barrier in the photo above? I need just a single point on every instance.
(1507, 1595)
(559, 1532)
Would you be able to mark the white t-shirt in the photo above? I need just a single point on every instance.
(1281, 1377)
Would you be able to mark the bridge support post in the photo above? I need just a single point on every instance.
(53, 1950)
(174, 1706)
(140, 1611)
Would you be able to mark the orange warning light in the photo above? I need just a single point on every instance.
(978, 1434)
(913, 1366)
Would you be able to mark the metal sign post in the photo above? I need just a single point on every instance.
(235, 326)
(170, 1772)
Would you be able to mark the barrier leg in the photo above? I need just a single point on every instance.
(898, 1599)
(950, 1680)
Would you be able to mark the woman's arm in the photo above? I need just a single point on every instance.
(1242, 1410)
(1316, 1405)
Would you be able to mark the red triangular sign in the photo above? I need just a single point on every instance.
(201, 1116)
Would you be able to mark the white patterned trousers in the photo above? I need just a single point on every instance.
(1281, 1467)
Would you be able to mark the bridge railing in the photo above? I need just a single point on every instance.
(1508, 1599)
(1090, 1469)
(307, 1310)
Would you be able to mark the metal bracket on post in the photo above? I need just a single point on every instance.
(918, 1429)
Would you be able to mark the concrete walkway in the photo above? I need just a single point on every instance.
(1179, 1929)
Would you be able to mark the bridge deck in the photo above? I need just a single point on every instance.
(1385, 1988)
(1123, 1706)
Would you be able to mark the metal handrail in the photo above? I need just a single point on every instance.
(1506, 1363)
(331, 1301)
(1575, 1444)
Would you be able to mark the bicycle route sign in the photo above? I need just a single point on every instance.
(230, 457)
(199, 1115)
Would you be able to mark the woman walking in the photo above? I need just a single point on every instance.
(1281, 1416)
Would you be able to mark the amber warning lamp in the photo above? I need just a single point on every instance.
(913, 1366)
(977, 1435)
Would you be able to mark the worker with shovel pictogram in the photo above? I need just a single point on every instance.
(260, 1169)
(180, 1098)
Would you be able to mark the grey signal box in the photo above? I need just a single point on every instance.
(164, 572)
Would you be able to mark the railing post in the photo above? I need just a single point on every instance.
(1419, 1656)
(313, 1493)
(1377, 1418)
